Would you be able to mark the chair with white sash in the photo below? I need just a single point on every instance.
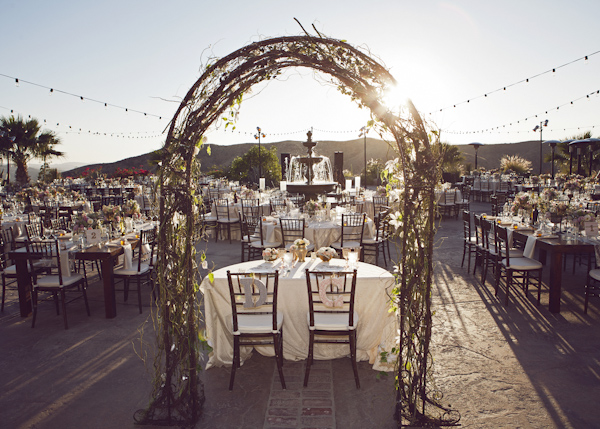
(331, 315)
(255, 319)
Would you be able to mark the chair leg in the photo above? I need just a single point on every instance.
(3, 291)
(587, 296)
(353, 357)
(462, 264)
(508, 282)
(34, 298)
(310, 357)
(63, 298)
(236, 360)
(277, 344)
(139, 290)
(85, 300)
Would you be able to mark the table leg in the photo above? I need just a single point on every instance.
(24, 286)
(110, 300)
(555, 281)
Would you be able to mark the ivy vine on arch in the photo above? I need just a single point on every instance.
(177, 395)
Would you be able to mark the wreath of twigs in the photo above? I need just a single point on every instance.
(177, 395)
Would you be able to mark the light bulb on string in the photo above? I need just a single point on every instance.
(51, 91)
(17, 83)
(586, 62)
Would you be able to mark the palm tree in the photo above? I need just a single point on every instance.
(562, 156)
(28, 143)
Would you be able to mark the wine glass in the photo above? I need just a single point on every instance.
(345, 254)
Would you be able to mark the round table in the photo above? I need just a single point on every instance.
(377, 328)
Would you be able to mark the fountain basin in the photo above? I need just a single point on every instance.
(312, 191)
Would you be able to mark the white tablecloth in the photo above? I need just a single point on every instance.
(321, 234)
(16, 222)
(377, 329)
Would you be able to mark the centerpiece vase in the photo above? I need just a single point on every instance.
(301, 252)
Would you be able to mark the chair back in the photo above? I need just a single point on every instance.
(353, 228)
(450, 196)
(466, 193)
(5, 247)
(148, 238)
(253, 294)
(248, 225)
(378, 203)
(331, 292)
(478, 230)
(222, 208)
(250, 206)
(291, 229)
(277, 204)
(502, 244)
(487, 228)
(8, 240)
(45, 255)
(466, 218)
(33, 230)
(60, 223)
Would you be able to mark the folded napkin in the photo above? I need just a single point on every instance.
(529, 247)
(127, 256)
(65, 266)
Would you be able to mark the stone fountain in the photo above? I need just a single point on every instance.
(310, 175)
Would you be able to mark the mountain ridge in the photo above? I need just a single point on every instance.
(488, 155)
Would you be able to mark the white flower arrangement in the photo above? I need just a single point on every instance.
(301, 242)
(270, 254)
(326, 253)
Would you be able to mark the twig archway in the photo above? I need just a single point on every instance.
(178, 395)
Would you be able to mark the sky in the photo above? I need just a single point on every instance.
(144, 56)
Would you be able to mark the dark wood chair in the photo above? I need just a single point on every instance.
(255, 319)
(331, 315)
(57, 277)
(523, 271)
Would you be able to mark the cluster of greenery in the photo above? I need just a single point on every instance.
(515, 164)
(23, 140)
(245, 168)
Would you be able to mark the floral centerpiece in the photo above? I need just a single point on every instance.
(573, 185)
(381, 191)
(312, 206)
(247, 194)
(86, 221)
(270, 254)
(301, 242)
(112, 214)
(131, 208)
(326, 253)
(522, 201)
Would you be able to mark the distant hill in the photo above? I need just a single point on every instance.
(489, 155)
(221, 156)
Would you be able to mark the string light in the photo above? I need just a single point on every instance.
(572, 102)
(52, 90)
(504, 87)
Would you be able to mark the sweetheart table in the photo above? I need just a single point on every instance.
(377, 328)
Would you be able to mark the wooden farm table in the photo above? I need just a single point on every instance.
(556, 248)
(105, 254)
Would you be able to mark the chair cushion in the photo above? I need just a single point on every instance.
(12, 270)
(258, 323)
(523, 264)
(595, 274)
(53, 281)
(332, 321)
(144, 268)
(265, 245)
(372, 241)
(338, 244)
